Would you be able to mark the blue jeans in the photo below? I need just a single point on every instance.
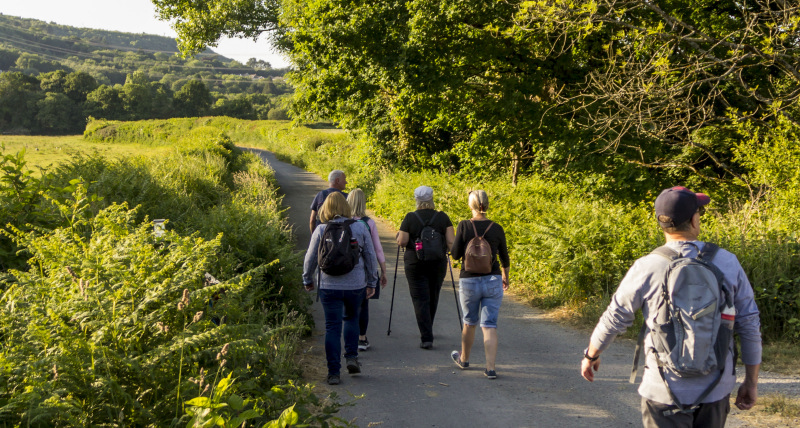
(481, 297)
(341, 305)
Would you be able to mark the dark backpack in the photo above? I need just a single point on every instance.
(478, 255)
(430, 244)
(338, 250)
(691, 329)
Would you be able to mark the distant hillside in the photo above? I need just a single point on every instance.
(32, 46)
(54, 77)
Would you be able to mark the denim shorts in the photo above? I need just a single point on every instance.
(480, 299)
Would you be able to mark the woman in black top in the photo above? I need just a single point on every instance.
(425, 277)
(481, 293)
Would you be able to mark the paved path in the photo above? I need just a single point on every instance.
(538, 382)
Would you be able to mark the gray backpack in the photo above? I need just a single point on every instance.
(691, 335)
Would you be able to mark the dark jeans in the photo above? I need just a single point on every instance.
(341, 305)
(425, 283)
(363, 317)
(708, 415)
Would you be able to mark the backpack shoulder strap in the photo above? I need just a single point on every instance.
(666, 252)
(709, 251)
(362, 219)
(419, 217)
(669, 254)
(430, 222)
(487, 228)
(474, 230)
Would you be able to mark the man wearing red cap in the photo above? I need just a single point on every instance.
(664, 393)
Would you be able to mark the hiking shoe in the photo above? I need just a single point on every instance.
(456, 359)
(426, 345)
(363, 345)
(333, 379)
(353, 366)
(490, 374)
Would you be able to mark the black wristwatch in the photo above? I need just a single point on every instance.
(586, 355)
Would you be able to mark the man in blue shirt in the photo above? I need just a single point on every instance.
(337, 182)
(678, 212)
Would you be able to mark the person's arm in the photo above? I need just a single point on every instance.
(402, 238)
(457, 249)
(748, 328)
(368, 256)
(376, 243)
(505, 261)
(450, 237)
(618, 316)
(312, 222)
(748, 391)
(310, 262)
(591, 364)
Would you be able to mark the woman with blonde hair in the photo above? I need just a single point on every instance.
(480, 290)
(341, 294)
(358, 205)
(425, 277)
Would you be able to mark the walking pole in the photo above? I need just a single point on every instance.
(391, 306)
(455, 293)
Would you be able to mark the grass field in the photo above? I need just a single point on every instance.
(44, 152)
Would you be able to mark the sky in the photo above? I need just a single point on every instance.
(129, 16)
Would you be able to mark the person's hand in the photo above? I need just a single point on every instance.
(370, 292)
(505, 284)
(308, 287)
(746, 397)
(383, 281)
(588, 368)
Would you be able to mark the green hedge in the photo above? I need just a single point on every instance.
(571, 246)
(109, 324)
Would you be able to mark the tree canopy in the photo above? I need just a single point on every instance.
(632, 91)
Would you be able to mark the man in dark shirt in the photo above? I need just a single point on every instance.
(337, 182)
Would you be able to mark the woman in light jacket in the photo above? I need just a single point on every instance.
(341, 295)
(358, 205)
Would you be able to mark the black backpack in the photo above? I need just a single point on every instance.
(338, 250)
(430, 244)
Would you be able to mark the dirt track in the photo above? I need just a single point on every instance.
(538, 382)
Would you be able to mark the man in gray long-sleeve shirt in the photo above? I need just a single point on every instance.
(678, 212)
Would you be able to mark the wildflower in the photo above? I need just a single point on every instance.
(198, 316)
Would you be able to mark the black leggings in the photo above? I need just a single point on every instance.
(425, 283)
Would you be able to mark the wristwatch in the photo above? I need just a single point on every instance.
(586, 355)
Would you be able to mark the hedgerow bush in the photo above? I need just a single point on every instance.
(108, 324)
(572, 244)
(111, 322)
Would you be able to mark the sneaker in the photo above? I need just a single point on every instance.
(333, 379)
(353, 366)
(456, 359)
(363, 345)
(426, 345)
(490, 374)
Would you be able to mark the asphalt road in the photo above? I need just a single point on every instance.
(538, 383)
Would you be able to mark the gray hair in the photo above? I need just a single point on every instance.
(425, 205)
(336, 173)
